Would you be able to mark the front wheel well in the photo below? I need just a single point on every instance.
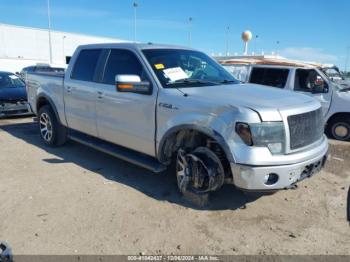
(337, 116)
(189, 139)
(341, 120)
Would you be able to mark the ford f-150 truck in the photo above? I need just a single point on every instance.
(154, 105)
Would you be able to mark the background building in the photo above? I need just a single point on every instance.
(24, 46)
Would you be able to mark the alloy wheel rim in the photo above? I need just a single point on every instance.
(45, 127)
(182, 169)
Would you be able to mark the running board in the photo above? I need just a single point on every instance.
(136, 158)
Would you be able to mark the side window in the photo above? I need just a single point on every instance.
(269, 76)
(257, 75)
(85, 65)
(42, 69)
(240, 72)
(305, 79)
(122, 62)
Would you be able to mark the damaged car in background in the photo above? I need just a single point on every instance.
(13, 96)
(154, 105)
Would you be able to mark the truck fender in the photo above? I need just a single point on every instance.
(47, 100)
(204, 130)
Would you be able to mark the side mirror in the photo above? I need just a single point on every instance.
(319, 86)
(132, 84)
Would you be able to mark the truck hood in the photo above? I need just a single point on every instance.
(13, 94)
(343, 83)
(269, 102)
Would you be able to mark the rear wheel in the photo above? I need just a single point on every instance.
(51, 131)
(339, 128)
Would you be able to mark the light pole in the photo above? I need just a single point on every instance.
(346, 60)
(227, 40)
(49, 29)
(255, 43)
(135, 5)
(277, 47)
(190, 31)
(64, 57)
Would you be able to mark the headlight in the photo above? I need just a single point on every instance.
(266, 134)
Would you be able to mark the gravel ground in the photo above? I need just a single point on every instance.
(75, 200)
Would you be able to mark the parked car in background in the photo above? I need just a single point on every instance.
(156, 104)
(13, 95)
(43, 68)
(319, 81)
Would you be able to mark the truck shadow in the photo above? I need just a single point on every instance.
(158, 186)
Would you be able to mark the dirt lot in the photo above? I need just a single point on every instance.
(75, 200)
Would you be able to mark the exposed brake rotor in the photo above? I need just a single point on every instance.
(199, 171)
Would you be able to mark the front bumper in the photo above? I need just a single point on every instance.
(14, 109)
(252, 178)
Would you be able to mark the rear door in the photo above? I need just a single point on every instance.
(304, 79)
(80, 92)
(126, 119)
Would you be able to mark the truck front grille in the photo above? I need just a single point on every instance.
(305, 128)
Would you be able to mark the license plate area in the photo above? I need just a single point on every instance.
(311, 169)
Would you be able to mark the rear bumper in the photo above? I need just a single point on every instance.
(253, 178)
(13, 109)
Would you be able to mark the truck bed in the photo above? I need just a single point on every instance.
(52, 84)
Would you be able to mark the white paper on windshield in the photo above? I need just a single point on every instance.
(13, 77)
(175, 73)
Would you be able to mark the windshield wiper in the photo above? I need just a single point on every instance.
(226, 81)
(192, 81)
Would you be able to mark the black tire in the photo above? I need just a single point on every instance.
(339, 128)
(56, 133)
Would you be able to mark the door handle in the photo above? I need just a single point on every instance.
(99, 94)
(69, 89)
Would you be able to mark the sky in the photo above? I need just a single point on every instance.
(312, 30)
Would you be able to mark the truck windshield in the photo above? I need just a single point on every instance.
(332, 73)
(10, 81)
(186, 68)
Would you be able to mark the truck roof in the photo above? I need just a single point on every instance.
(269, 61)
(131, 45)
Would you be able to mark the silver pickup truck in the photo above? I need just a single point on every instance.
(154, 105)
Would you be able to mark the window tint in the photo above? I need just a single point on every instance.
(122, 62)
(42, 69)
(305, 80)
(10, 81)
(269, 76)
(85, 65)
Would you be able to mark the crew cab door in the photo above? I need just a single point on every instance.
(126, 119)
(304, 81)
(80, 92)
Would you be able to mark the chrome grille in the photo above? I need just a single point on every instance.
(305, 128)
